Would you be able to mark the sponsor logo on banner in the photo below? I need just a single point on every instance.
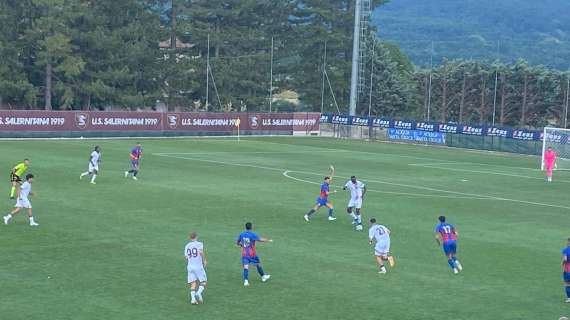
(288, 122)
(448, 128)
(550, 137)
(425, 126)
(207, 122)
(416, 136)
(341, 120)
(399, 124)
(360, 121)
(473, 131)
(254, 121)
(125, 121)
(81, 120)
(325, 118)
(497, 132)
(382, 123)
(172, 120)
(33, 122)
(526, 135)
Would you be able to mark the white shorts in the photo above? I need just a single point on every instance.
(197, 274)
(355, 203)
(382, 249)
(93, 168)
(23, 203)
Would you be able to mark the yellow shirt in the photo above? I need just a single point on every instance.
(20, 169)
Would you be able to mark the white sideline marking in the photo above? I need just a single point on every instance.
(438, 166)
(424, 164)
(413, 195)
(248, 152)
(379, 154)
(378, 181)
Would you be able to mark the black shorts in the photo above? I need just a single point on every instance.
(15, 178)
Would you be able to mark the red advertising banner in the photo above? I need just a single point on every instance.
(224, 122)
(85, 121)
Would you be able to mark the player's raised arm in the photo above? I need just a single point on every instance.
(331, 168)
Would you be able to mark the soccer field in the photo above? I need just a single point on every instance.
(115, 250)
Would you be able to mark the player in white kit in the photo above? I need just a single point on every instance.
(380, 235)
(196, 257)
(24, 192)
(357, 192)
(94, 160)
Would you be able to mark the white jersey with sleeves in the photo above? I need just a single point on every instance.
(23, 201)
(193, 253)
(25, 190)
(381, 235)
(356, 189)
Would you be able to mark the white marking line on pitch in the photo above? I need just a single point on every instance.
(247, 152)
(378, 181)
(412, 195)
(439, 167)
(424, 164)
(380, 154)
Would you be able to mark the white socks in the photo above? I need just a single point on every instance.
(193, 296)
(200, 289)
(353, 215)
(359, 219)
(93, 178)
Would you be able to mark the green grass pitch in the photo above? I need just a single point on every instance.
(115, 250)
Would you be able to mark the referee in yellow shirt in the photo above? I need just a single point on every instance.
(16, 174)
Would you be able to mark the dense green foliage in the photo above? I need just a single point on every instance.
(538, 31)
(464, 91)
(76, 54)
(115, 250)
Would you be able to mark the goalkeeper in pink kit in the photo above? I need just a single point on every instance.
(549, 163)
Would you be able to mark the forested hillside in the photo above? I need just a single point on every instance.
(216, 55)
(538, 31)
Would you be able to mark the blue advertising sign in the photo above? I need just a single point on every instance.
(326, 118)
(528, 135)
(416, 136)
(427, 126)
(360, 121)
(404, 124)
(381, 123)
(552, 137)
(448, 128)
(499, 132)
(336, 119)
(472, 130)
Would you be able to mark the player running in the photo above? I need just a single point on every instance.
(16, 175)
(196, 257)
(549, 163)
(93, 169)
(380, 235)
(323, 199)
(566, 270)
(445, 233)
(24, 192)
(357, 192)
(246, 241)
(136, 154)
